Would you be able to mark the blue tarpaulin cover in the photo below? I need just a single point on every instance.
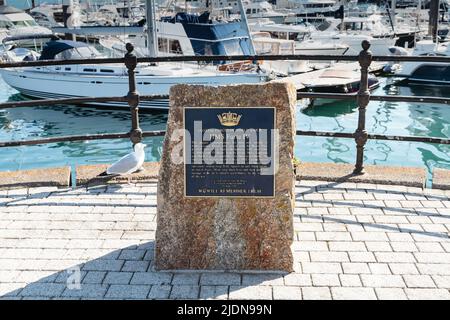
(52, 48)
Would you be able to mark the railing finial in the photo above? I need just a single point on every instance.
(365, 45)
(129, 47)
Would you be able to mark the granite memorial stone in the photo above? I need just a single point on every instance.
(226, 181)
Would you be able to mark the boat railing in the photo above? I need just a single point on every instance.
(363, 96)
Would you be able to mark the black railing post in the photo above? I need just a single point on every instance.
(133, 95)
(363, 97)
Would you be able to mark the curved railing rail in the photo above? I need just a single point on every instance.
(363, 96)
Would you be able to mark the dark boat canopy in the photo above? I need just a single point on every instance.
(208, 38)
(52, 48)
(183, 17)
(9, 10)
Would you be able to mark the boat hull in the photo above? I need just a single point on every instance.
(350, 88)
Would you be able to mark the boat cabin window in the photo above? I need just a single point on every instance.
(78, 53)
(89, 70)
(107, 70)
(5, 24)
(354, 26)
(169, 46)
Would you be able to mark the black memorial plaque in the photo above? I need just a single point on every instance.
(228, 152)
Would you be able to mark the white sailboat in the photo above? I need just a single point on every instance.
(111, 80)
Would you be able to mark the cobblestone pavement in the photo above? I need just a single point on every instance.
(352, 241)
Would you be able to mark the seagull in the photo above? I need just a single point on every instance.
(128, 164)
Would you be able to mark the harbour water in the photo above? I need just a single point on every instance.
(397, 118)
(389, 118)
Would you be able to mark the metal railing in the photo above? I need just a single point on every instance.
(363, 97)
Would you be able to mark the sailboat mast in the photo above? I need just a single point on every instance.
(152, 37)
(245, 25)
(434, 18)
(393, 10)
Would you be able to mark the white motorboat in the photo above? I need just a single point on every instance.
(425, 72)
(15, 22)
(352, 30)
(263, 9)
(48, 15)
(310, 8)
(336, 80)
(301, 35)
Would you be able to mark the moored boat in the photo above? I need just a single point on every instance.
(425, 72)
(336, 80)
(89, 80)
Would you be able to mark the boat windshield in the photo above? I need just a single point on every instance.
(78, 53)
(25, 23)
(17, 24)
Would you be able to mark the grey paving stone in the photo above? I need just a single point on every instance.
(92, 291)
(43, 289)
(159, 292)
(136, 254)
(185, 292)
(135, 266)
(151, 278)
(94, 277)
(103, 265)
(214, 292)
(128, 291)
(117, 277)
(214, 278)
(186, 279)
(262, 279)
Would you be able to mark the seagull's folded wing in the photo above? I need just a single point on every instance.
(127, 164)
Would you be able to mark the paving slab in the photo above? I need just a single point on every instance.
(405, 176)
(441, 179)
(88, 175)
(48, 177)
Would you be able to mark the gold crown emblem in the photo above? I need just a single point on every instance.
(229, 119)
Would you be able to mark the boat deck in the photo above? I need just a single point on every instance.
(299, 80)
